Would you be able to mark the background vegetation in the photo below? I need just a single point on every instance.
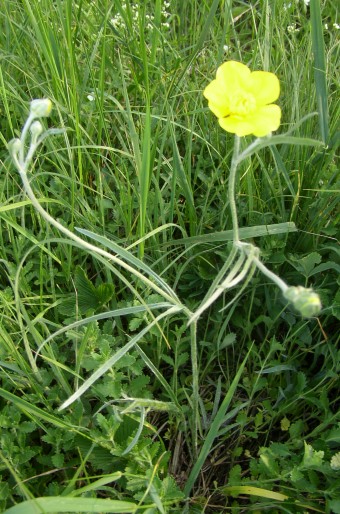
(144, 163)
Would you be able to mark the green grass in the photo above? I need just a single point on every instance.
(109, 401)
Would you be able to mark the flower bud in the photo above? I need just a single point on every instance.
(41, 108)
(14, 146)
(306, 301)
(36, 129)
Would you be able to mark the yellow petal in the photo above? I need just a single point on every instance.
(218, 100)
(231, 77)
(264, 86)
(266, 119)
(236, 125)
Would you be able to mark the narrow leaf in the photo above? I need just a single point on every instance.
(318, 46)
(236, 490)
(115, 358)
(245, 233)
(214, 429)
(128, 257)
(59, 504)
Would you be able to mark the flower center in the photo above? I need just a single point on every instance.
(242, 103)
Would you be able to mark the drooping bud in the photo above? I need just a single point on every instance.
(306, 301)
(41, 108)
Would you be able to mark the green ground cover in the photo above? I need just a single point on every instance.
(109, 400)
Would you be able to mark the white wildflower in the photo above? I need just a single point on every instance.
(292, 28)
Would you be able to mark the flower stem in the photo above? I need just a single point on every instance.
(90, 247)
(22, 161)
(195, 386)
(231, 188)
(272, 276)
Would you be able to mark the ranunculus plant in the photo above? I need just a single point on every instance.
(242, 101)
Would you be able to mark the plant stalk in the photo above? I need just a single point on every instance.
(231, 189)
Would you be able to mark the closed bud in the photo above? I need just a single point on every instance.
(36, 129)
(306, 301)
(41, 108)
(14, 146)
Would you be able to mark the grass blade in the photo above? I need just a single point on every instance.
(144, 178)
(115, 358)
(103, 315)
(214, 429)
(245, 233)
(60, 504)
(318, 46)
(129, 258)
(184, 182)
(203, 36)
(254, 491)
(33, 411)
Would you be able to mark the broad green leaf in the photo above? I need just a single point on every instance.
(86, 292)
(333, 435)
(307, 263)
(90, 297)
(285, 424)
(334, 505)
(104, 293)
(312, 458)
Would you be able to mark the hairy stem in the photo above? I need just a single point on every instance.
(195, 386)
(88, 246)
(231, 188)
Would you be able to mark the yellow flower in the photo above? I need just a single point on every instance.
(242, 100)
